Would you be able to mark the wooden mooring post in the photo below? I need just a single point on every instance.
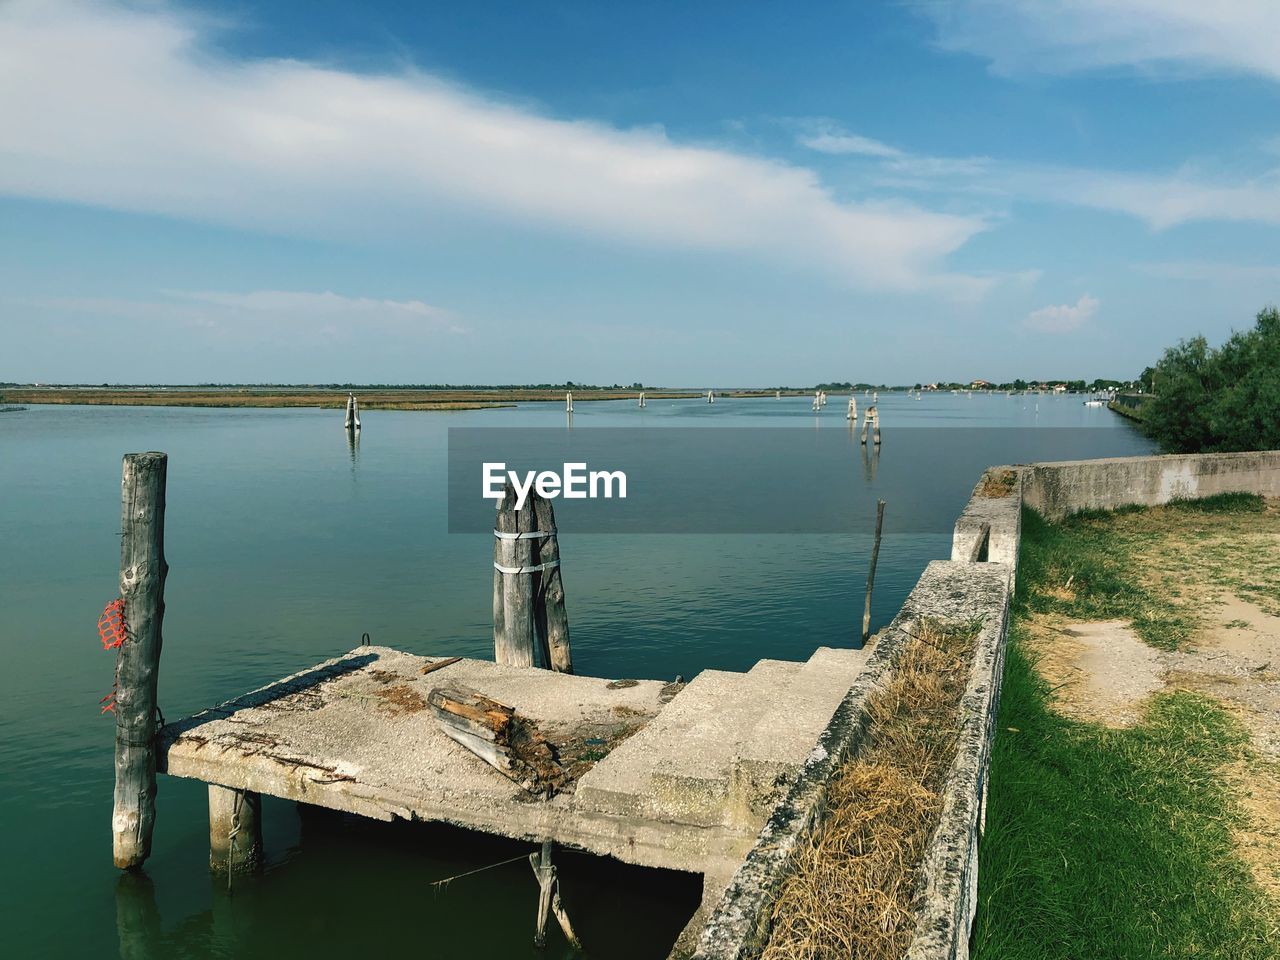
(871, 573)
(550, 616)
(529, 614)
(513, 622)
(142, 575)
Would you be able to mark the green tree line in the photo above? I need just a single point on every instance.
(1206, 399)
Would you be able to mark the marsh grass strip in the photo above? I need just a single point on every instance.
(851, 891)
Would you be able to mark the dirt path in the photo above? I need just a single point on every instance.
(1102, 672)
(1228, 579)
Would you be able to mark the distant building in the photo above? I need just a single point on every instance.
(981, 384)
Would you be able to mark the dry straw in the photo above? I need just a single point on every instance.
(850, 895)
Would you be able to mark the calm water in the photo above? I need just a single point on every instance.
(286, 544)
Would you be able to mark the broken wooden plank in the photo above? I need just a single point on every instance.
(495, 733)
(439, 664)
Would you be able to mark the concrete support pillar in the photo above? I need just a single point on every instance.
(235, 829)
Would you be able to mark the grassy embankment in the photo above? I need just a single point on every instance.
(1130, 407)
(1119, 843)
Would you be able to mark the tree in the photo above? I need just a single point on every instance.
(1208, 400)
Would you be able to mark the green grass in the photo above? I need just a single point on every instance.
(1105, 843)
(1091, 566)
(1108, 843)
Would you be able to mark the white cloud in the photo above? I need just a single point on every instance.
(304, 305)
(1063, 318)
(825, 137)
(1162, 200)
(131, 108)
(269, 313)
(1061, 36)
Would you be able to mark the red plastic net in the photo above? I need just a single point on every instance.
(111, 626)
(113, 632)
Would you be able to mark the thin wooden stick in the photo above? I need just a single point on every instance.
(871, 574)
(440, 664)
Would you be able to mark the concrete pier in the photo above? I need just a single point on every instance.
(680, 776)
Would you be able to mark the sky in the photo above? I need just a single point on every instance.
(707, 194)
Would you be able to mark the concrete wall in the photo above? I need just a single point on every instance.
(947, 890)
(1059, 489)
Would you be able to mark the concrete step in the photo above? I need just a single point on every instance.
(725, 749)
(679, 765)
(778, 670)
(771, 753)
(791, 726)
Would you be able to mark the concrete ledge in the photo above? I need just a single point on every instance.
(950, 593)
(948, 886)
(1057, 490)
(990, 528)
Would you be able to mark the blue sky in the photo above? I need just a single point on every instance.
(668, 192)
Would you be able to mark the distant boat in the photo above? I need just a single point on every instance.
(1095, 402)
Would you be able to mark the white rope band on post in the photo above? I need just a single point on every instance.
(528, 569)
(531, 535)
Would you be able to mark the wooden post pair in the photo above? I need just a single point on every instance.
(871, 420)
(529, 617)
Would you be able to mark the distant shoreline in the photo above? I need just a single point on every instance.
(373, 399)
(388, 398)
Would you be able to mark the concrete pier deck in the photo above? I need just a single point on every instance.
(675, 776)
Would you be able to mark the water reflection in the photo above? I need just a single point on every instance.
(870, 459)
(353, 449)
(137, 918)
